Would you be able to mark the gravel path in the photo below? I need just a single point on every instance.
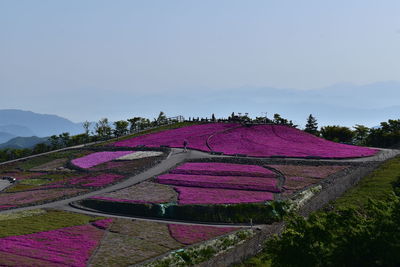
(4, 184)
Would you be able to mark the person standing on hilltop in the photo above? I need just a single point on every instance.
(185, 144)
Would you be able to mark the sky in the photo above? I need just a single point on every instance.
(74, 58)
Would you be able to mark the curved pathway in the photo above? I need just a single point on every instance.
(175, 157)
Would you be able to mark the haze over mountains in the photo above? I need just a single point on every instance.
(19, 123)
(342, 104)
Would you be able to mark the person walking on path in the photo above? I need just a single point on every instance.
(185, 144)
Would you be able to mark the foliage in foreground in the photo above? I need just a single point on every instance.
(341, 238)
(363, 230)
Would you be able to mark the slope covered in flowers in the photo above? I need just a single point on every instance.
(256, 141)
(221, 183)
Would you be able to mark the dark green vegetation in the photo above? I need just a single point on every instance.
(235, 213)
(363, 229)
(46, 221)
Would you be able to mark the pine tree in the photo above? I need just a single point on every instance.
(312, 125)
(213, 117)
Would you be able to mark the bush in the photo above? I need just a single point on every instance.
(341, 238)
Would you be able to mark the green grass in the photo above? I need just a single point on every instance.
(50, 220)
(376, 186)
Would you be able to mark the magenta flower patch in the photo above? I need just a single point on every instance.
(279, 140)
(98, 158)
(226, 182)
(257, 141)
(70, 246)
(197, 195)
(191, 234)
(196, 135)
(222, 169)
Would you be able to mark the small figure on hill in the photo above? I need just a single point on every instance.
(185, 144)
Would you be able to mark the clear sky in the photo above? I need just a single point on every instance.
(50, 50)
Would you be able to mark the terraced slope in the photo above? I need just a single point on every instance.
(256, 141)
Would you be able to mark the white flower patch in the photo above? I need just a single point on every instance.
(140, 154)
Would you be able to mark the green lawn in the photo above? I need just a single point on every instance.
(20, 224)
(376, 186)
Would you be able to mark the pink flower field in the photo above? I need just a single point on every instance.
(191, 234)
(196, 135)
(70, 246)
(222, 169)
(98, 158)
(256, 141)
(221, 183)
(226, 182)
(197, 195)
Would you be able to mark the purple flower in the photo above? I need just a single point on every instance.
(257, 141)
(226, 182)
(98, 158)
(70, 246)
(197, 195)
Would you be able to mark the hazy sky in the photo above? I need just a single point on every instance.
(53, 49)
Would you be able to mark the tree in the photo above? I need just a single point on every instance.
(162, 118)
(337, 133)
(387, 135)
(213, 118)
(360, 134)
(86, 127)
(103, 128)
(279, 120)
(312, 125)
(54, 141)
(133, 124)
(64, 139)
(121, 128)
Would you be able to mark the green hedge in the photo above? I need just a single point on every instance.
(235, 213)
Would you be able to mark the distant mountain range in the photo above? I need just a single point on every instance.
(341, 104)
(24, 142)
(19, 128)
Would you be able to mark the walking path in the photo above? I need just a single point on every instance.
(175, 157)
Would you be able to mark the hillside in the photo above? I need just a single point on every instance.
(255, 141)
(23, 142)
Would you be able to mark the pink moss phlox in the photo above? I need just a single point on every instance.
(279, 140)
(70, 246)
(223, 169)
(257, 141)
(191, 234)
(103, 224)
(196, 135)
(197, 195)
(98, 158)
(226, 182)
